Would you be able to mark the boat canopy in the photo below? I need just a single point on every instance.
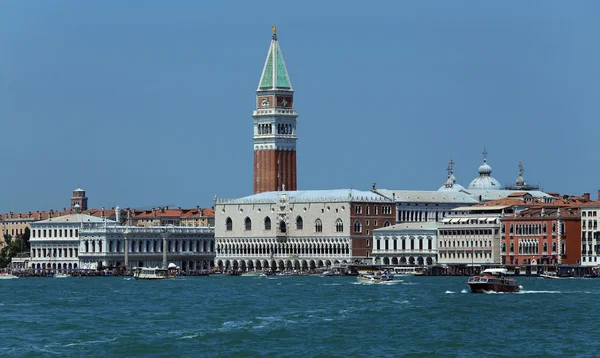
(495, 271)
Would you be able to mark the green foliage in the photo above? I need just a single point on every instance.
(12, 247)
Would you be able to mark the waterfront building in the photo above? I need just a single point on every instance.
(102, 245)
(299, 229)
(544, 235)
(590, 234)
(406, 244)
(55, 241)
(470, 236)
(274, 126)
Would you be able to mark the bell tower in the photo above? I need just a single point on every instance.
(274, 126)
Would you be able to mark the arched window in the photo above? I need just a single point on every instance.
(299, 223)
(545, 246)
(228, 224)
(247, 224)
(554, 247)
(503, 247)
(387, 223)
(512, 247)
(339, 225)
(267, 223)
(282, 227)
(357, 226)
(318, 225)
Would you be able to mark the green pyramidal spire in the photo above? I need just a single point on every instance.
(274, 74)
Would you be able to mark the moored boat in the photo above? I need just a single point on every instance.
(150, 273)
(62, 275)
(493, 280)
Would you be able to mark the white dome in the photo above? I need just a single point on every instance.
(485, 169)
(485, 179)
(485, 182)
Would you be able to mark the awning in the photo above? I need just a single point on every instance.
(454, 220)
(446, 220)
(464, 220)
(491, 220)
(482, 219)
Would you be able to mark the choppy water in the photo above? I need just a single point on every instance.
(295, 316)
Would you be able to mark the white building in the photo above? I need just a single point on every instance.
(190, 248)
(406, 244)
(590, 234)
(55, 242)
(471, 236)
(298, 229)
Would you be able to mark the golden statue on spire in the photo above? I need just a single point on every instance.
(274, 29)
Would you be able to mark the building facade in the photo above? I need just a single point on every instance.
(470, 236)
(406, 244)
(190, 248)
(55, 242)
(542, 236)
(274, 126)
(299, 230)
(590, 234)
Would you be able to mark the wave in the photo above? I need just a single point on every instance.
(529, 292)
(449, 292)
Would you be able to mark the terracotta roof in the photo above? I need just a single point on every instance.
(519, 194)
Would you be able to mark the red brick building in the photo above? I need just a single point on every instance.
(545, 235)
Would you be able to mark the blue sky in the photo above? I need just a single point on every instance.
(147, 103)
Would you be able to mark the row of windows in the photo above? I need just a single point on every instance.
(533, 229)
(386, 244)
(39, 233)
(466, 232)
(529, 248)
(457, 243)
(588, 213)
(385, 209)
(590, 224)
(57, 252)
(463, 255)
(318, 225)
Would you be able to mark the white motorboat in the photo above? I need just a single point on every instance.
(549, 274)
(7, 276)
(373, 278)
(150, 273)
(252, 274)
(62, 275)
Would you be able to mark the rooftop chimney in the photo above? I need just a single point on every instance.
(586, 196)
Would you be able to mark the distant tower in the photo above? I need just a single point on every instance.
(274, 126)
(79, 198)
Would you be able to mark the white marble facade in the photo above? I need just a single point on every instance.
(406, 244)
(299, 230)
